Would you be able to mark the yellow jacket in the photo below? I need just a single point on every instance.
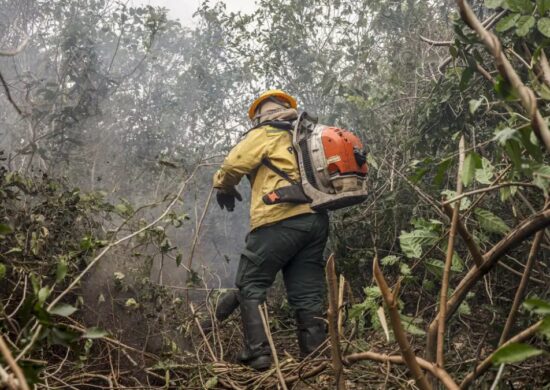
(246, 159)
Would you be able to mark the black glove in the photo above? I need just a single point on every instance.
(227, 199)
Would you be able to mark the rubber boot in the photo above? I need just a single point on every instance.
(227, 304)
(256, 353)
(311, 332)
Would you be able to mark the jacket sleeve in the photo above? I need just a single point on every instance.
(242, 160)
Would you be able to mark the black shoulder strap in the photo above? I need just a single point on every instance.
(269, 164)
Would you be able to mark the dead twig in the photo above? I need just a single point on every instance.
(332, 315)
(8, 95)
(398, 331)
(196, 239)
(522, 286)
(448, 262)
(436, 371)
(8, 358)
(487, 189)
(265, 323)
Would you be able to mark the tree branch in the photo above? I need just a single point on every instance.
(524, 230)
(449, 261)
(486, 364)
(525, 94)
(333, 323)
(436, 371)
(8, 95)
(522, 286)
(408, 355)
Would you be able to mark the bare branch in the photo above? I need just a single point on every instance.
(522, 286)
(449, 261)
(486, 364)
(406, 350)
(333, 323)
(436, 371)
(8, 357)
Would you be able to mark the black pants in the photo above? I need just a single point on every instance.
(295, 246)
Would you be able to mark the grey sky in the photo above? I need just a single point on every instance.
(184, 9)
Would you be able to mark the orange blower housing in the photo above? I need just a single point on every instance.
(332, 164)
(341, 148)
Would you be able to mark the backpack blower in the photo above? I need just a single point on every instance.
(333, 167)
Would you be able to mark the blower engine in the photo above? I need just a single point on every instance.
(332, 164)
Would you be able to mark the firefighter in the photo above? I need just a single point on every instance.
(287, 237)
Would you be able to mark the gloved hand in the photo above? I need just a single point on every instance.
(227, 198)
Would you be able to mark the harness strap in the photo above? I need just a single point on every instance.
(269, 164)
(283, 125)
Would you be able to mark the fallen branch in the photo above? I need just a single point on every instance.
(406, 350)
(436, 371)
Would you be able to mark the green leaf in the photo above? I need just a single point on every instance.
(412, 325)
(543, 26)
(405, 270)
(371, 161)
(471, 162)
(464, 202)
(211, 383)
(523, 6)
(94, 333)
(492, 4)
(43, 294)
(2, 271)
(467, 75)
(544, 328)
(61, 271)
(14, 250)
(411, 242)
(507, 22)
(484, 175)
(537, 306)
(490, 222)
(389, 260)
(541, 178)
(524, 25)
(505, 135)
(515, 352)
(63, 310)
(437, 267)
(474, 105)
(5, 229)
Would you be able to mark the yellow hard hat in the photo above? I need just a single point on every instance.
(277, 93)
